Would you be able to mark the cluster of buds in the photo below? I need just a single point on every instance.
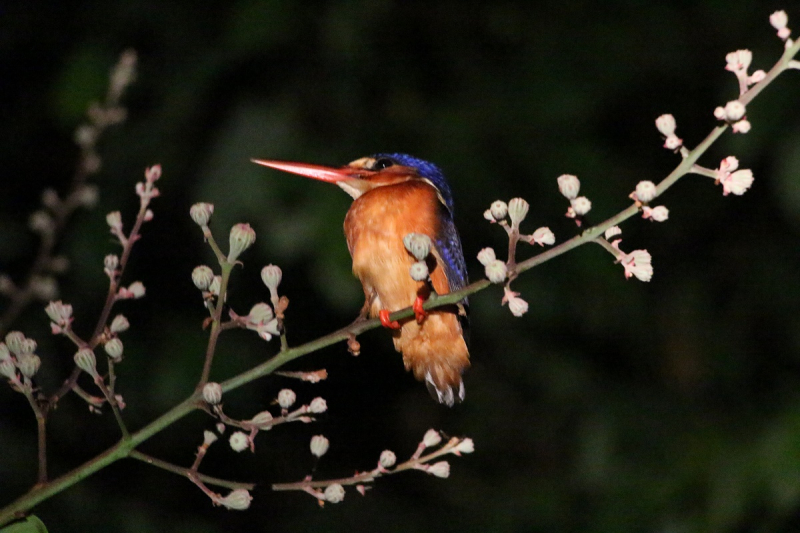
(569, 186)
(146, 190)
(637, 264)
(418, 245)
(516, 210)
(645, 193)
(60, 315)
(333, 491)
(779, 20)
(18, 361)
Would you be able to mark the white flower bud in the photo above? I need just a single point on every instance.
(334, 493)
(209, 438)
(110, 263)
(734, 110)
(212, 393)
(498, 210)
(431, 438)
(418, 245)
(114, 349)
(319, 445)
(28, 364)
(517, 211)
(286, 398)
(241, 238)
(114, 221)
(260, 313)
(666, 125)
(387, 459)
(645, 191)
(743, 126)
(779, 20)
(569, 185)
(239, 441)
(496, 271)
(202, 276)
(262, 420)
(581, 205)
(119, 324)
(85, 360)
(8, 369)
(14, 340)
(738, 60)
(236, 500)
(440, 469)
(318, 405)
(419, 271)
(59, 313)
(659, 214)
(612, 231)
(486, 256)
(543, 236)
(465, 446)
(201, 213)
(4, 352)
(271, 275)
(136, 289)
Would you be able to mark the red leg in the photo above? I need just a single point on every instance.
(383, 314)
(419, 312)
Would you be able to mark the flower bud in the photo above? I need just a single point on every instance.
(239, 441)
(153, 173)
(260, 313)
(8, 369)
(431, 438)
(286, 398)
(202, 277)
(517, 210)
(4, 352)
(612, 232)
(440, 469)
(419, 271)
(569, 185)
(581, 205)
(318, 405)
(110, 264)
(201, 213)
(499, 210)
(645, 191)
(114, 221)
(543, 236)
(666, 125)
(212, 393)
(59, 313)
(119, 324)
(738, 60)
(41, 222)
(14, 340)
(319, 445)
(241, 238)
(334, 493)
(387, 459)
(418, 245)
(465, 446)
(262, 420)
(215, 285)
(659, 214)
(209, 438)
(114, 349)
(517, 306)
(271, 276)
(734, 110)
(236, 500)
(28, 364)
(136, 289)
(496, 271)
(85, 360)
(486, 256)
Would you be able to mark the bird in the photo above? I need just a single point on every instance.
(396, 194)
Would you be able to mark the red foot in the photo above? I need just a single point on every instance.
(419, 312)
(383, 314)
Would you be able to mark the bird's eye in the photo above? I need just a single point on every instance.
(381, 163)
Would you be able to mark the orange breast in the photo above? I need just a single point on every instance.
(374, 227)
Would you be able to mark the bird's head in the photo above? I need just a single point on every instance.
(367, 173)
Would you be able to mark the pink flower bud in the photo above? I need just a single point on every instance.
(419, 271)
(666, 125)
(743, 126)
(738, 60)
(85, 360)
(638, 264)
(202, 276)
(318, 405)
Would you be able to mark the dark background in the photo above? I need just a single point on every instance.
(613, 405)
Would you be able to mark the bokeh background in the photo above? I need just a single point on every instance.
(612, 406)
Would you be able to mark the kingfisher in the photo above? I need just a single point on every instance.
(395, 195)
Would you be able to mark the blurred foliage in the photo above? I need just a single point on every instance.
(612, 405)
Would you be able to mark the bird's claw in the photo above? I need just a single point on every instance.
(383, 314)
(419, 312)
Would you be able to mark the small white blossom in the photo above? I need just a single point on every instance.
(262, 420)
(236, 500)
(431, 438)
(239, 441)
(119, 324)
(319, 445)
(212, 393)
(334, 493)
(418, 245)
(440, 469)
(496, 271)
(387, 459)
(486, 256)
(656, 214)
(241, 238)
(517, 210)
(543, 236)
(743, 126)
(286, 398)
(498, 210)
(645, 191)
(465, 446)
(638, 264)
(737, 182)
(318, 405)
(666, 125)
(581, 205)
(209, 437)
(612, 231)
(201, 213)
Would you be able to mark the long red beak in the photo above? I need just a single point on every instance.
(317, 172)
